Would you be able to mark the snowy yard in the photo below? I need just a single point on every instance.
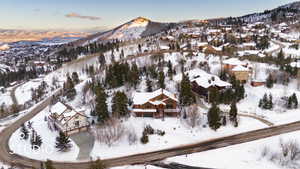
(177, 134)
(242, 156)
(47, 149)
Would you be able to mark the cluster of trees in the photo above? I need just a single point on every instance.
(35, 139)
(119, 104)
(216, 119)
(70, 52)
(292, 102)
(227, 96)
(38, 93)
(262, 43)
(69, 86)
(266, 102)
(117, 74)
(21, 74)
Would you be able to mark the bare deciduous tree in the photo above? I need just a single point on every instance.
(110, 132)
(193, 117)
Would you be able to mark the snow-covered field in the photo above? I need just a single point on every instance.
(242, 156)
(177, 133)
(47, 149)
(5, 98)
(23, 92)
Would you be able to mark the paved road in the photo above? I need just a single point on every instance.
(175, 166)
(143, 157)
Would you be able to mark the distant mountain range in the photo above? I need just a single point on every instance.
(136, 28)
(8, 36)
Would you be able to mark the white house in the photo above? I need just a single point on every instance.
(67, 119)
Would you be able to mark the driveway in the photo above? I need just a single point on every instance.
(85, 142)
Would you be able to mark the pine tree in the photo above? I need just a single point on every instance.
(101, 105)
(149, 85)
(214, 95)
(75, 77)
(186, 96)
(49, 165)
(24, 132)
(170, 70)
(69, 89)
(233, 112)
(270, 102)
(134, 75)
(120, 104)
(269, 81)
(161, 80)
(213, 117)
(295, 101)
(63, 142)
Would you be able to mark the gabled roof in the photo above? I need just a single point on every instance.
(144, 97)
(240, 68)
(58, 108)
(233, 61)
(205, 79)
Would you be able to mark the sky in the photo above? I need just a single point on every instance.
(85, 15)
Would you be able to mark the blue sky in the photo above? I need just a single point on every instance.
(99, 14)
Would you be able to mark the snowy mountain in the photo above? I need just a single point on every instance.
(134, 29)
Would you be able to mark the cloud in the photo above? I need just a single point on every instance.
(76, 15)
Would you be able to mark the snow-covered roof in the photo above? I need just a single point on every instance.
(164, 47)
(58, 108)
(206, 80)
(144, 97)
(233, 61)
(240, 68)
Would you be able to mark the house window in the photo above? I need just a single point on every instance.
(76, 123)
(169, 106)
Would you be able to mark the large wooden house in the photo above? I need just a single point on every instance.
(68, 120)
(203, 82)
(157, 104)
(237, 68)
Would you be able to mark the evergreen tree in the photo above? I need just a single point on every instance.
(233, 112)
(295, 100)
(69, 89)
(161, 80)
(149, 85)
(101, 105)
(269, 81)
(49, 165)
(75, 77)
(214, 95)
(270, 102)
(63, 142)
(186, 96)
(213, 117)
(134, 75)
(120, 104)
(24, 132)
(170, 70)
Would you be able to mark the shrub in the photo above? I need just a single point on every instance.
(144, 138)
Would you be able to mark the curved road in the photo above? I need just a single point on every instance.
(142, 158)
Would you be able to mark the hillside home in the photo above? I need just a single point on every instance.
(241, 73)
(67, 119)
(157, 104)
(203, 82)
(237, 68)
